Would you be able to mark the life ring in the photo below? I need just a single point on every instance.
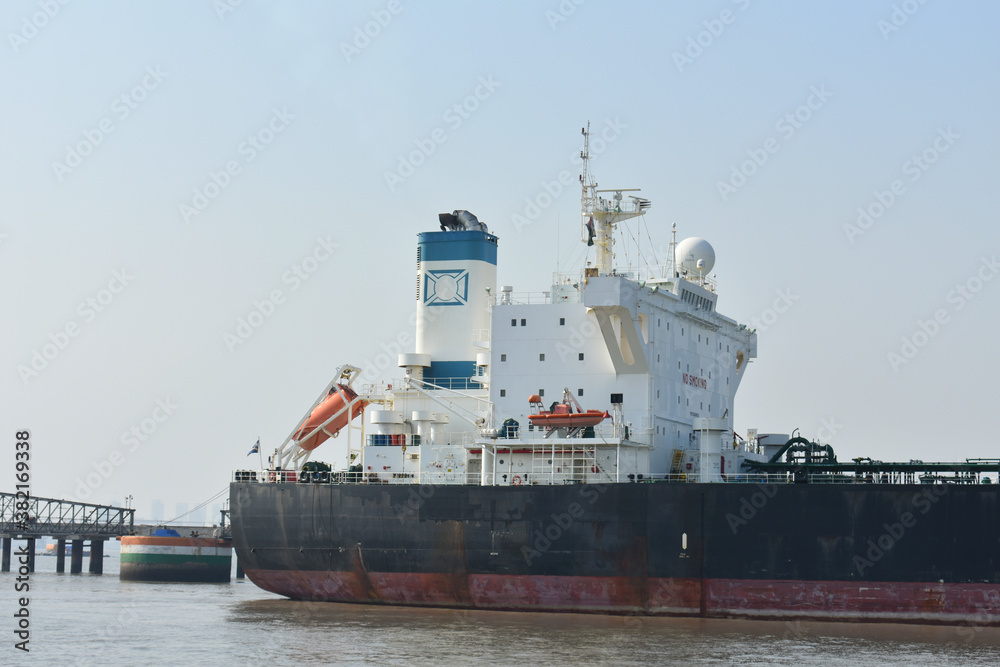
(517, 480)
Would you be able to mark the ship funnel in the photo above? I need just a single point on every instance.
(460, 220)
(456, 277)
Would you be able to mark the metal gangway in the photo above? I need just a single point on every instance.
(29, 518)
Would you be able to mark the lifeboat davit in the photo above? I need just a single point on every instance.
(562, 415)
(340, 396)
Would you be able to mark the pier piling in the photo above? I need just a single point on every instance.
(31, 554)
(5, 556)
(61, 555)
(76, 557)
(97, 556)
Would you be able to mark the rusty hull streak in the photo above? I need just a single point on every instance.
(898, 602)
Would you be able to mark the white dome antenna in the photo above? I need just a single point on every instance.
(695, 257)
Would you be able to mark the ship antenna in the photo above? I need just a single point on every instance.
(587, 186)
(599, 215)
(671, 251)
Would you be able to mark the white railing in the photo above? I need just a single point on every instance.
(570, 467)
(524, 298)
(605, 433)
(369, 390)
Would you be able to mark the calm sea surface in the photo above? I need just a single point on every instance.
(99, 620)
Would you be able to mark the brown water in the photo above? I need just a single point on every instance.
(98, 620)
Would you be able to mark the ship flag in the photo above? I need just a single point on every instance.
(255, 448)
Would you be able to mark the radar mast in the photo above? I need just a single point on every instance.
(600, 214)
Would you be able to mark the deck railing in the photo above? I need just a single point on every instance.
(538, 476)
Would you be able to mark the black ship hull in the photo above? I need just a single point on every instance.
(903, 553)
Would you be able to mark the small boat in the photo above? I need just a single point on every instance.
(53, 550)
(562, 415)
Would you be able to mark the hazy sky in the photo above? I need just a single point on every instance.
(166, 166)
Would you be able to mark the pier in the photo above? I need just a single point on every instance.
(65, 521)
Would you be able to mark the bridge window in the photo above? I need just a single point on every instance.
(541, 392)
(581, 356)
(513, 323)
(503, 392)
(562, 321)
(524, 322)
(579, 392)
(541, 357)
(503, 357)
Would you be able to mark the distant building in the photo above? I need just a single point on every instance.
(196, 517)
(156, 511)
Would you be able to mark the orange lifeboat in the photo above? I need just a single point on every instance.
(562, 415)
(339, 397)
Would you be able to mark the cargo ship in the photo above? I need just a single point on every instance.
(573, 450)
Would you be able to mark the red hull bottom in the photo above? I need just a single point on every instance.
(719, 598)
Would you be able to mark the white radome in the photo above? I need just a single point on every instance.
(695, 256)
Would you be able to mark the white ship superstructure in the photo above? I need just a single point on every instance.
(498, 387)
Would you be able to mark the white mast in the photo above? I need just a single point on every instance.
(600, 215)
(672, 253)
(587, 186)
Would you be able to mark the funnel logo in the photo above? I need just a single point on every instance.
(447, 287)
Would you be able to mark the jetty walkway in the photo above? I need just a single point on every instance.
(64, 520)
